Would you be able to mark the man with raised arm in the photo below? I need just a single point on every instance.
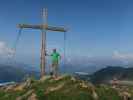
(55, 57)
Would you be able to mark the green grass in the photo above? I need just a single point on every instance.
(70, 90)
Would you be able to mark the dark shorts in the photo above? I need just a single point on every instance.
(55, 64)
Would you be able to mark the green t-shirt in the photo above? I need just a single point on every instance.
(55, 56)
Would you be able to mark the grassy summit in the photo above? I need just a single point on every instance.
(65, 88)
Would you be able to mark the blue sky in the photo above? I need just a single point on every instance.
(97, 28)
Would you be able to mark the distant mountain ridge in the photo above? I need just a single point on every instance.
(110, 72)
(15, 72)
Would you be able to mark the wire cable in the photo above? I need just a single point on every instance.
(64, 48)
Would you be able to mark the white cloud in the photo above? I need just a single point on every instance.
(5, 51)
(125, 58)
(117, 54)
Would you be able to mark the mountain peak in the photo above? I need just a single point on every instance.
(64, 88)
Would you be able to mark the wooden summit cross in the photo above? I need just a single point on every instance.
(43, 27)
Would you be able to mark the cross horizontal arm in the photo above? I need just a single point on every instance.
(40, 27)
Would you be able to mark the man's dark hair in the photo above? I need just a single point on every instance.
(54, 50)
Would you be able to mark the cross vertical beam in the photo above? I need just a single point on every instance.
(43, 49)
(43, 43)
